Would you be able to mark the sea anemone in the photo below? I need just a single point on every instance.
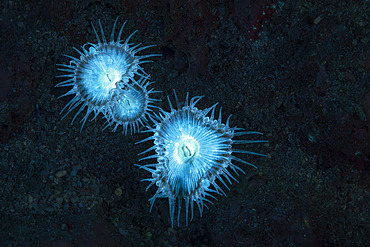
(193, 151)
(103, 80)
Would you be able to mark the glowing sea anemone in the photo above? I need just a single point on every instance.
(193, 151)
(103, 80)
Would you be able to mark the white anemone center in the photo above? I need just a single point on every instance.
(130, 103)
(186, 149)
(108, 78)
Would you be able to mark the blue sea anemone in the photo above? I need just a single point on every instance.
(193, 151)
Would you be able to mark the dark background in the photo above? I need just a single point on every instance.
(296, 71)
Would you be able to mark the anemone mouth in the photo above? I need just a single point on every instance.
(194, 152)
(128, 104)
(131, 106)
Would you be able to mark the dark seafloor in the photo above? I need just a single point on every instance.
(297, 71)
